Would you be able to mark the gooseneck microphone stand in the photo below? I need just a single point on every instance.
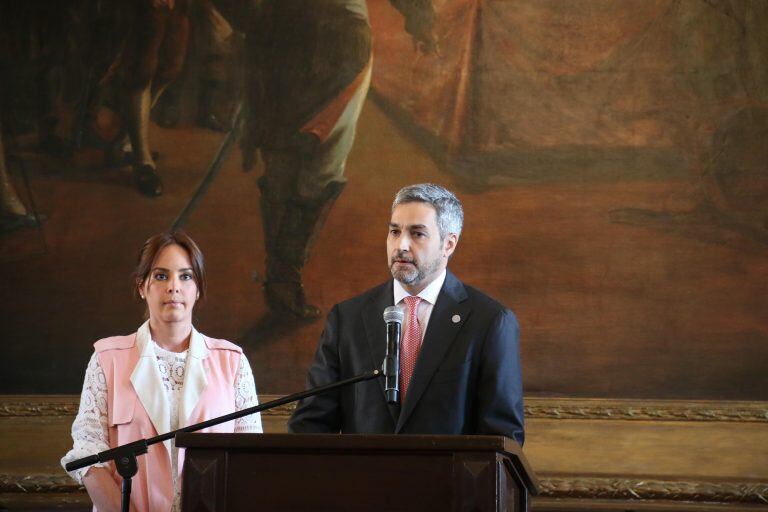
(125, 455)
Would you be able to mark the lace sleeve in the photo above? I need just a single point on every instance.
(90, 430)
(245, 397)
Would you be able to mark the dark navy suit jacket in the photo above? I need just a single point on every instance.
(467, 378)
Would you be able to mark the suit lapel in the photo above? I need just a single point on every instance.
(148, 384)
(195, 380)
(441, 331)
(376, 334)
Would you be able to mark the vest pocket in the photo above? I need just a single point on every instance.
(122, 410)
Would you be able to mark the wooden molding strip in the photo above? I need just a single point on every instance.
(38, 405)
(551, 487)
(646, 410)
(640, 490)
(67, 405)
(38, 484)
(538, 408)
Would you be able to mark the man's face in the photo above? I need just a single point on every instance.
(415, 252)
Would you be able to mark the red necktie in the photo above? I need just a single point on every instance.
(411, 344)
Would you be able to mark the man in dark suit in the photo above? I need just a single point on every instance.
(460, 367)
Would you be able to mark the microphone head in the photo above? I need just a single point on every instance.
(394, 314)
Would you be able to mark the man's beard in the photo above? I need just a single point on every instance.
(414, 274)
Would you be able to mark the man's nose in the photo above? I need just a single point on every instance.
(404, 243)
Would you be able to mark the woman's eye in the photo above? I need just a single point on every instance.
(160, 276)
(186, 277)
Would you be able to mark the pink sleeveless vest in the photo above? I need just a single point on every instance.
(152, 488)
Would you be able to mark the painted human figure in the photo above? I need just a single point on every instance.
(307, 75)
(152, 56)
(214, 42)
(12, 209)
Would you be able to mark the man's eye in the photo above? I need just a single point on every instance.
(394, 232)
(419, 234)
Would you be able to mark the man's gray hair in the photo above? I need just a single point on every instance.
(450, 214)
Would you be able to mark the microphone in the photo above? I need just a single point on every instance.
(394, 317)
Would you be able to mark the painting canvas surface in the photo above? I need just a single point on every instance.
(612, 162)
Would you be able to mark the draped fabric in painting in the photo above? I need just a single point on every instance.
(528, 77)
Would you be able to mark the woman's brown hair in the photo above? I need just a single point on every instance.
(157, 243)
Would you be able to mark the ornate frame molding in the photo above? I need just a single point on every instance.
(641, 490)
(34, 484)
(646, 410)
(38, 405)
(535, 408)
(557, 487)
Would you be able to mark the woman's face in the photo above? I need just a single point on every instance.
(170, 289)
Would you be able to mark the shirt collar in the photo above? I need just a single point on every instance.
(429, 293)
(146, 345)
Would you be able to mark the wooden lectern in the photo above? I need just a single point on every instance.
(328, 472)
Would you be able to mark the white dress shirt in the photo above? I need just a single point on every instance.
(424, 310)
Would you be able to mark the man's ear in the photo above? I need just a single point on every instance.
(449, 244)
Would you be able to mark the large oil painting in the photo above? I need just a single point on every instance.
(612, 159)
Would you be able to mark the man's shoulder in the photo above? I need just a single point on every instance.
(489, 313)
(364, 298)
(479, 299)
(483, 299)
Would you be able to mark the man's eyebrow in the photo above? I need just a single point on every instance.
(412, 226)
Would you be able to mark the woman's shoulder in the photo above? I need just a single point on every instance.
(115, 343)
(217, 344)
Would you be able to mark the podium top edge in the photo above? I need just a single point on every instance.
(351, 442)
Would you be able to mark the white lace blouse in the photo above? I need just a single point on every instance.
(90, 429)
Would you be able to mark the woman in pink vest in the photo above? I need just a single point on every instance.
(165, 376)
